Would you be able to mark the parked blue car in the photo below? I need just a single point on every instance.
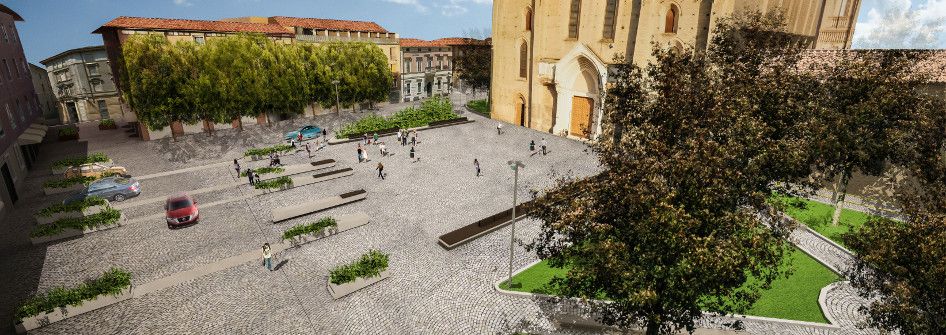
(308, 133)
(110, 188)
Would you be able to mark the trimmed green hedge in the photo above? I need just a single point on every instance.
(265, 170)
(371, 264)
(113, 282)
(107, 122)
(433, 109)
(268, 150)
(73, 207)
(68, 131)
(97, 157)
(273, 183)
(106, 217)
(479, 107)
(66, 182)
(314, 228)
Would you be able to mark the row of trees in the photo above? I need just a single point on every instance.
(680, 220)
(246, 75)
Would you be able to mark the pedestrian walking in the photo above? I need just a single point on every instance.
(364, 153)
(499, 128)
(292, 142)
(414, 138)
(404, 139)
(360, 159)
(249, 175)
(308, 150)
(532, 145)
(380, 169)
(413, 153)
(398, 135)
(476, 164)
(236, 166)
(276, 160)
(544, 145)
(267, 257)
(299, 139)
(375, 137)
(384, 149)
(364, 137)
(324, 133)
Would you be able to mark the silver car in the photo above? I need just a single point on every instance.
(111, 188)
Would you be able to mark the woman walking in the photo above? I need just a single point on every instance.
(380, 169)
(236, 166)
(476, 164)
(267, 257)
(383, 148)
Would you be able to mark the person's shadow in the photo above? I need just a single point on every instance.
(278, 266)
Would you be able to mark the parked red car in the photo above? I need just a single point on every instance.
(181, 210)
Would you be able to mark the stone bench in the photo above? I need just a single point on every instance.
(286, 213)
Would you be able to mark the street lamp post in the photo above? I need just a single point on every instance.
(336, 82)
(515, 166)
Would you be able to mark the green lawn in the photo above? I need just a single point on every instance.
(817, 216)
(793, 298)
(479, 106)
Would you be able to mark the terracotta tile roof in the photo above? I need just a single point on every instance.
(932, 68)
(8, 11)
(441, 42)
(328, 24)
(125, 22)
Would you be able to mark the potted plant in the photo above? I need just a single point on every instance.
(106, 124)
(69, 133)
(304, 233)
(348, 278)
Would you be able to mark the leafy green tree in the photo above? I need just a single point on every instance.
(156, 77)
(471, 66)
(679, 222)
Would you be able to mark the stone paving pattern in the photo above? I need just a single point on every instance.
(431, 290)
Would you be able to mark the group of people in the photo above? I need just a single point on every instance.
(320, 141)
(544, 146)
(251, 175)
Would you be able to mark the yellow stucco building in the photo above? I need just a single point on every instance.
(551, 58)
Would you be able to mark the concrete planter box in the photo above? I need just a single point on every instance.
(286, 213)
(65, 215)
(434, 125)
(57, 190)
(271, 190)
(62, 170)
(68, 233)
(63, 313)
(338, 291)
(344, 223)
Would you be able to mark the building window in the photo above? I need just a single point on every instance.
(673, 16)
(574, 19)
(528, 19)
(610, 19)
(7, 67)
(199, 39)
(103, 109)
(10, 116)
(62, 75)
(523, 59)
(407, 65)
(93, 69)
(420, 64)
(430, 62)
(307, 31)
(407, 88)
(96, 85)
(842, 10)
(418, 86)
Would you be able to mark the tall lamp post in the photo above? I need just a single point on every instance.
(515, 166)
(336, 82)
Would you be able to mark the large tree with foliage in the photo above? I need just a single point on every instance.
(679, 221)
(472, 62)
(156, 80)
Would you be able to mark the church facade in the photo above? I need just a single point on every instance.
(551, 58)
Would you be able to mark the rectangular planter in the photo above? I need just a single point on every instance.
(57, 190)
(63, 313)
(286, 213)
(64, 215)
(68, 233)
(345, 222)
(62, 170)
(338, 291)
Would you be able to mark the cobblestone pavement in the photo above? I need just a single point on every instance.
(430, 290)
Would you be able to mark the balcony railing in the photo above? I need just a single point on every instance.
(353, 38)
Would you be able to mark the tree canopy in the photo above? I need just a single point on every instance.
(246, 75)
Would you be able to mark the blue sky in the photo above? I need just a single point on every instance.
(52, 26)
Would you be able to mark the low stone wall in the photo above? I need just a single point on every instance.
(286, 213)
(338, 291)
(63, 313)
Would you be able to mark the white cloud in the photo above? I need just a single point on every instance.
(413, 3)
(903, 24)
(184, 3)
(446, 7)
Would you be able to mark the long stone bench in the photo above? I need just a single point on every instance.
(286, 213)
(302, 180)
(482, 227)
(292, 170)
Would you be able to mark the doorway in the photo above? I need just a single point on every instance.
(581, 116)
(8, 180)
(73, 114)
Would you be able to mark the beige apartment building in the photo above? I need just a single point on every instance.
(551, 58)
(281, 29)
(81, 80)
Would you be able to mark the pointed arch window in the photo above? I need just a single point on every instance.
(574, 19)
(673, 18)
(523, 59)
(610, 19)
(528, 19)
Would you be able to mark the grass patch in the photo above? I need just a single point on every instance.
(817, 216)
(431, 110)
(273, 184)
(112, 282)
(369, 265)
(480, 107)
(792, 298)
(79, 160)
(264, 170)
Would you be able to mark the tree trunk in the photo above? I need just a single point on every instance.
(838, 197)
(653, 328)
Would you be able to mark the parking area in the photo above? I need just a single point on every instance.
(431, 290)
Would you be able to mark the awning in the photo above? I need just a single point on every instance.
(42, 127)
(27, 138)
(34, 131)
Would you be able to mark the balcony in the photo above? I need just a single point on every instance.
(353, 38)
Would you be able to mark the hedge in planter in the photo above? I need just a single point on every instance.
(268, 150)
(433, 109)
(371, 264)
(76, 161)
(264, 170)
(315, 228)
(68, 133)
(107, 124)
(73, 207)
(112, 282)
(277, 183)
(66, 182)
(106, 217)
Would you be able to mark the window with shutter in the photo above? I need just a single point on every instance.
(610, 19)
(523, 59)
(574, 19)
